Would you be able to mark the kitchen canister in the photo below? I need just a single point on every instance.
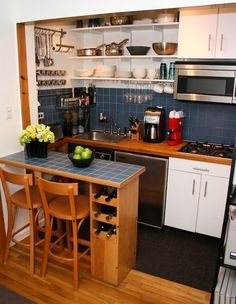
(172, 71)
(163, 71)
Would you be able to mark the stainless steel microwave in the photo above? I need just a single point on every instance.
(208, 81)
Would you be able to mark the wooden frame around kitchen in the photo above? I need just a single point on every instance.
(2, 229)
(23, 75)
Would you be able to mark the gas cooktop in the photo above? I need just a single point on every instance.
(210, 149)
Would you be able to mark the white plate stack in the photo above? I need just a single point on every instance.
(105, 71)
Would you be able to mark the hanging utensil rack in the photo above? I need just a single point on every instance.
(60, 46)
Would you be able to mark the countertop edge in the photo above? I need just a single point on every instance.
(154, 149)
(89, 179)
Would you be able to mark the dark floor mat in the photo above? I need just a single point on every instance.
(7, 296)
(180, 256)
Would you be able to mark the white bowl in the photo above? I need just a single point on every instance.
(122, 74)
(84, 72)
(165, 17)
(139, 73)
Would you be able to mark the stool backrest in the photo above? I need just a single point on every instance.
(25, 180)
(69, 190)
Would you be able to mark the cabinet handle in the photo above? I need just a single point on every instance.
(201, 169)
(221, 42)
(209, 42)
(232, 255)
(205, 190)
(193, 189)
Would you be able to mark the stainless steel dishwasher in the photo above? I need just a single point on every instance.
(152, 186)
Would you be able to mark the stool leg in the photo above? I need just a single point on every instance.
(75, 254)
(10, 225)
(32, 241)
(46, 248)
(68, 236)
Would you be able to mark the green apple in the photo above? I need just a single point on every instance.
(86, 155)
(88, 151)
(77, 156)
(79, 149)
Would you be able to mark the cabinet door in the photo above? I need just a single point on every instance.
(182, 200)
(197, 33)
(226, 43)
(212, 202)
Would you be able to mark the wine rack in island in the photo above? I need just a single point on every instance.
(113, 229)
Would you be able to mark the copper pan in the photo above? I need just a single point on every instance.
(90, 51)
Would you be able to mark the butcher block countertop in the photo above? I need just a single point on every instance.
(155, 149)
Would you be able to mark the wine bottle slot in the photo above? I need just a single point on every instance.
(109, 210)
(101, 192)
(109, 217)
(102, 227)
(97, 214)
(111, 231)
(111, 195)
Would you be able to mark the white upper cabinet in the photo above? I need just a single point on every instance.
(197, 33)
(225, 42)
(207, 33)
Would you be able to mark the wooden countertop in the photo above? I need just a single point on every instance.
(155, 149)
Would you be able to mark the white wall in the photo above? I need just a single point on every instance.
(9, 96)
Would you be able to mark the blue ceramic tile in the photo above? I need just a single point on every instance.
(204, 121)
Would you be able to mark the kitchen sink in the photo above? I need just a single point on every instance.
(101, 136)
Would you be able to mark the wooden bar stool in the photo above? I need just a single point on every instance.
(27, 198)
(72, 208)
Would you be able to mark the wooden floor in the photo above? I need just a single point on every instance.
(57, 287)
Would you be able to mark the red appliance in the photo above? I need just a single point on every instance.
(175, 131)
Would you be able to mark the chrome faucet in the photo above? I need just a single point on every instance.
(111, 124)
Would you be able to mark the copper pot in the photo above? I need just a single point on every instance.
(115, 49)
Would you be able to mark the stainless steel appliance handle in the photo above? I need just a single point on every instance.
(201, 169)
(234, 90)
(205, 190)
(193, 189)
(232, 255)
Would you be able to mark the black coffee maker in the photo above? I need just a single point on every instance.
(154, 124)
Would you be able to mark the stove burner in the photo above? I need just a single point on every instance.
(219, 153)
(202, 148)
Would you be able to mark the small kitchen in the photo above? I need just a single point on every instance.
(186, 144)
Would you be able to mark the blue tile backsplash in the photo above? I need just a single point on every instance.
(210, 122)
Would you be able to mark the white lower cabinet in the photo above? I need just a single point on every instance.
(196, 196)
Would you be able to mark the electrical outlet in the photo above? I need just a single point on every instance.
(41, 115)
(8, 112)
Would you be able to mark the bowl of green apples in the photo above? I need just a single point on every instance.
(82, 157)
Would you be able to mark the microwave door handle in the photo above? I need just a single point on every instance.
(234, 90)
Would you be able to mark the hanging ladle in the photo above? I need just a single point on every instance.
(46, 58)
(50, 45)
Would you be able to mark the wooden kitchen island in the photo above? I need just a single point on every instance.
(111, 258)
